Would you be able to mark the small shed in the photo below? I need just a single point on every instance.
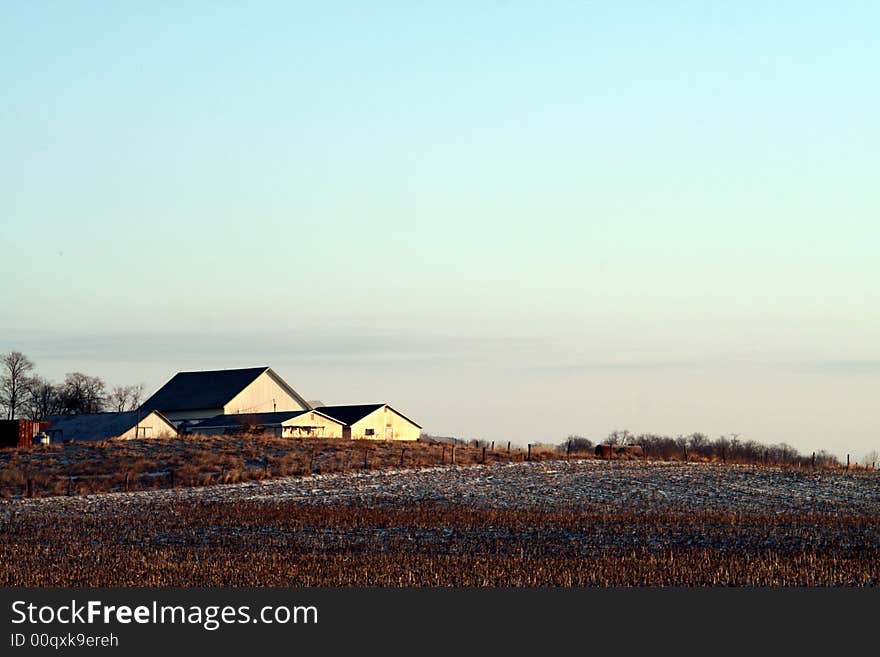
(283, 424)
(373, 422)
(91, 427)
(18, 433)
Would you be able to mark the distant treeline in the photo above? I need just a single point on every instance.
(694, 447)
(26, 394)
(698, 446)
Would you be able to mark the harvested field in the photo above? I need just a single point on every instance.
(528, 524)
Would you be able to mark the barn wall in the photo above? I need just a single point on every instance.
(258, 396)
(156, 428)
(386, 425)
(325, 427)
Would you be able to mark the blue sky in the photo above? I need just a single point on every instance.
(513, 220)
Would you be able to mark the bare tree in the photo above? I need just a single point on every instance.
(118, 398)
(81, 393)
(125, 398)
(698, 443)
(43, 398)
(135, 395)
(577, 443)
(16, 369)
(618, 437)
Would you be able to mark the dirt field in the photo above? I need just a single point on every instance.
(523, 524)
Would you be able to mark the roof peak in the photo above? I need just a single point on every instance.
(260, 368)
(210, 389)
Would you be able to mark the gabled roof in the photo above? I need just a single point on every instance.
(351, 414)
(208, 389)
(97, 426)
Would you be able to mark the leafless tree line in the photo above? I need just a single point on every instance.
(26, 394)
(726, 448)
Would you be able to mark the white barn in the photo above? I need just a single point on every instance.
(190, 397)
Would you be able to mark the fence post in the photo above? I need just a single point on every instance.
(402, 452)
(126, 481)
(493, 446)
(508, 447)
(568, 450)
(847, 461)
(529, 456)
(484, 455)
(30, 487)
(366, 463)
(453, 455)
(312, 462)
(813, 460)
(443, 455)
(171, 476)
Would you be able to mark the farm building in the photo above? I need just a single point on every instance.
(18, 433)
(86, 427)
(373, 422)
(284, 424)
(190, 397)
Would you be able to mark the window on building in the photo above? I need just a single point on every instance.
(369, 432)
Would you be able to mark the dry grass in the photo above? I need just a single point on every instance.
(83, 468)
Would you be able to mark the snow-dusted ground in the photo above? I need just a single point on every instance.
(569, 484)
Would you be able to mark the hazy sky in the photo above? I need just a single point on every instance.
(511, 220)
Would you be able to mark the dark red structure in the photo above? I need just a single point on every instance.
(18, 433)
(619, 451)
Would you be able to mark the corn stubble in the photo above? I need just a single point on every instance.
(292, 544)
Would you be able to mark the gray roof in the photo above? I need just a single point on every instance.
(95, 426)
(248, 419)
(208, 389)
(254, 419)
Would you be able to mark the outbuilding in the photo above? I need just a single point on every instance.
(18, 433)
(286, 424)
(373, 422)
(90, 427)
